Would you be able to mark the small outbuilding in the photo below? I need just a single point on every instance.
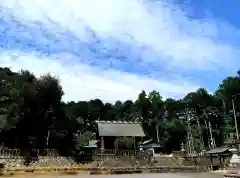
(218, 155)
(108, 131)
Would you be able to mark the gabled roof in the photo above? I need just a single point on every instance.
(116, 122)
(151, 145)
(217, 150)
(120, 129)
(146, 142)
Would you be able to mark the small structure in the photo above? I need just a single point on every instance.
(218, 156)
(108, 131)
(92, 144)
(235, 159)
(149, 145)
(182, 147)
(234, 144)
(2, 163)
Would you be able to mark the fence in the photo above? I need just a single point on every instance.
(99, 152)
(106, 158)
(17, 152)
(121, 158)
(47, 158)
(9, 153)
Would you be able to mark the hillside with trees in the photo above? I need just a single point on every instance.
(33, 115)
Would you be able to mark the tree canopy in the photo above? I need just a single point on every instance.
(33, 115)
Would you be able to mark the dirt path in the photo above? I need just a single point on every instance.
(162, 175)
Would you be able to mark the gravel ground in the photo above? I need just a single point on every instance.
(162, 175)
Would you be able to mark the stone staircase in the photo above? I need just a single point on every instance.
(113, 162)
(188, 162)
(128, 161)
(204, 161)
(167, 161)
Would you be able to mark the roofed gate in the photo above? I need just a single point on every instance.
(109, 130)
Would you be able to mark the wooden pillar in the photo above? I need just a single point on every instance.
(102, 145)
(134, 144)
(211, 159)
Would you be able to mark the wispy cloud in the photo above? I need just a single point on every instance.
(84, 82)
(121, 46)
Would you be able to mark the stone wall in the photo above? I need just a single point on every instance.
(13, 158)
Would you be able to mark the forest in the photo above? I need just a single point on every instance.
(33, 115)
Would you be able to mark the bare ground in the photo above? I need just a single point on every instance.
(162, 175)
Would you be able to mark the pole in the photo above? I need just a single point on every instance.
(235, 119)
(209, 128)
(48, 135)
(134, 144)
(188, 143)
(209, 143)
(200, 132)
(157, 132)
(191, 144)
(211, 136)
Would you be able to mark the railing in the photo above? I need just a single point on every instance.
(123, 157)
(51, 152)
(16, 152)
(9, 153)
(99, 152)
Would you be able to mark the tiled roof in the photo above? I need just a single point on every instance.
(217, 150)
(120, 129)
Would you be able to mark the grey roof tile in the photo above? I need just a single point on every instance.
(120, 129)
(217, 150)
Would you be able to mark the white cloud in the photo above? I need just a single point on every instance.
(177, 40)
(164, 34)
(82, 82)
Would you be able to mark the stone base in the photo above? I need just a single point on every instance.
(235, 160)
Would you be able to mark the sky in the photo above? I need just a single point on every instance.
(114, 49)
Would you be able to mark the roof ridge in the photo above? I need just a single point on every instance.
(116, 122)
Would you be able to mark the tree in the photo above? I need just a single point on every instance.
(32, 114)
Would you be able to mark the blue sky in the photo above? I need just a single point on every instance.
(113, 49)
